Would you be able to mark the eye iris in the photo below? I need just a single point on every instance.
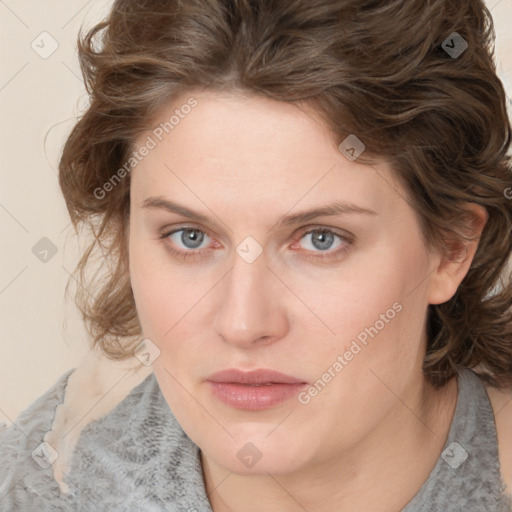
(193, 235)
(324, 238)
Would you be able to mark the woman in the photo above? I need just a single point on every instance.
(305, 212)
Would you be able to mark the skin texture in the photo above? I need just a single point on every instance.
(244, 161)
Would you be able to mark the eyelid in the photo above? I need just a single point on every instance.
(168, 230)
(320, 227)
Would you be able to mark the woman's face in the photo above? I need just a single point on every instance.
(248, 281)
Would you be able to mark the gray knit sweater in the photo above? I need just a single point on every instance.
(137, 458)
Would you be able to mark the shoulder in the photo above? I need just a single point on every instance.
(38, 414)
(122, 442)
(24, 458)
(95, 389)
(51, 426)
(501, 402)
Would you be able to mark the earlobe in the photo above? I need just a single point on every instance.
(454, 260)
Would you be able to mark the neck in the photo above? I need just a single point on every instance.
(375, 475)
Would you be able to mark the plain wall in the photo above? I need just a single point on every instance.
(41, 333)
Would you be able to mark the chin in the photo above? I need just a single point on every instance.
(259, 453)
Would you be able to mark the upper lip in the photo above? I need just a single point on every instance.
(260, 376)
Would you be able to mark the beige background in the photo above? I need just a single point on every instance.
(40, 94)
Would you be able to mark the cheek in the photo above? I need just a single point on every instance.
(153, 290)
(170, 306)
(376, 312)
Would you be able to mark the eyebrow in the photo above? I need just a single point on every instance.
(329, 210)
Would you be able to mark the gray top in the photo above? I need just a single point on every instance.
(138, 458)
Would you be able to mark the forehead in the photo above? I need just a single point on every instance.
(249, 150)
(242, 124)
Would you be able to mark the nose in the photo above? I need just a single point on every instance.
(251, 305)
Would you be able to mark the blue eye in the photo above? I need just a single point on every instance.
(191, 238)
(321, 240)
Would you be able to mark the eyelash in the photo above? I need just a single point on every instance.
(197, 254)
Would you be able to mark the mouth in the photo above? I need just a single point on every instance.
(255, 390)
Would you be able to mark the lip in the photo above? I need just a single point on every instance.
(254, 390)
(260, 376)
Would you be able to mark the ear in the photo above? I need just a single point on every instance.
(453, 264)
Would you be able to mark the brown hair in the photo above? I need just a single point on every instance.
(380, 70)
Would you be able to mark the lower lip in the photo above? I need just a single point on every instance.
(254, 398)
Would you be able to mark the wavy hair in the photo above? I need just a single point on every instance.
(380, 70)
